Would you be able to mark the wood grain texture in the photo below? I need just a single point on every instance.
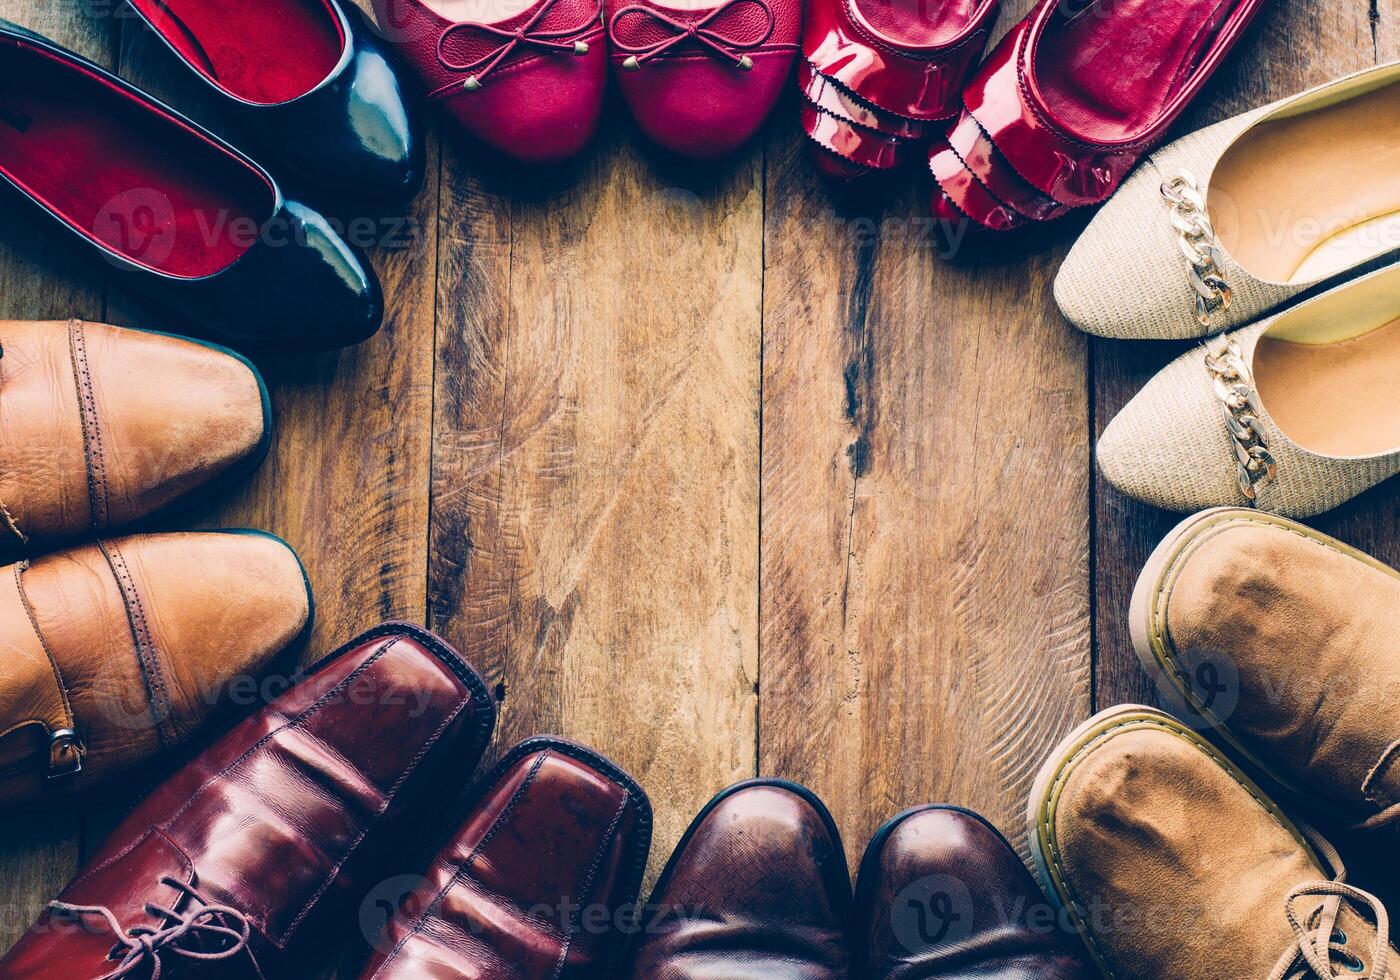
(595, 464)
(925, 606)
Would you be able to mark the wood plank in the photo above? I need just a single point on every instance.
(925, 610)
(41, 280)
(595, 459)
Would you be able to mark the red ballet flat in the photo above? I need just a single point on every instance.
(1078, 91)
(700, 82)
(896, 54)
(529, 85)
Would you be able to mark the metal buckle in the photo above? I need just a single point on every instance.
(66, 751)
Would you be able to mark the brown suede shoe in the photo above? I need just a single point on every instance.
(942, 896)
(757, 890)
(101, 426)
(1171, 862)
(119, 650)
(1282, 639)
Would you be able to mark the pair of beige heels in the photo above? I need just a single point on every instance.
(1293, 203)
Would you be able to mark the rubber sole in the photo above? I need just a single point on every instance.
(1059, 765)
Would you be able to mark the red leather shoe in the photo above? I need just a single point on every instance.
(253, 856)
(1077, 92)
(540, 880)
(899, 55)
(700, 82)
(529, 85)
(863, 148)
(828, 95)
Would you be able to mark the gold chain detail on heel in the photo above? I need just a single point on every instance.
(1234, 386)
(1200, 246)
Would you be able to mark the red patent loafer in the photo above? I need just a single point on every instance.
(310, 81)
(899, 56)
(529, 85)
(177, 212)
(539, 879)
(1077, 92)
(700, 82)
(249, 861)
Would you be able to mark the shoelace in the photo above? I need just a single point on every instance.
(524, 35)
(143, 946)
(1318, 940)
(725, 45)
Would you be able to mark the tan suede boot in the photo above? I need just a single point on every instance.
(1283, 640)
(1171, 863)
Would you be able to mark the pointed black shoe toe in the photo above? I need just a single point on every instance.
(311, 82)
(179, 214)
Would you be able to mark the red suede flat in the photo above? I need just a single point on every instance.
(700, 82)
(529, 85)
(1077, 92)
(899, 55)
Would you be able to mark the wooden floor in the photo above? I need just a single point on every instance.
(708, 469)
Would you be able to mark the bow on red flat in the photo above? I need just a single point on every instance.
(700, 82)
(1070, 100)
(529, 84)
(881, 76)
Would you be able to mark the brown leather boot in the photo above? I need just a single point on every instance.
(942, 896)
(1171, 862)
(1283, 640)
(539, 883)
(119, 650)
(757, 890)
(101, 426)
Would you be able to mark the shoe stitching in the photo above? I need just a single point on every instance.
(460, 875)
(1045, 822)
(1157, 628)
(69, 719)
(585, 888)
(147, 655)
(98, 492)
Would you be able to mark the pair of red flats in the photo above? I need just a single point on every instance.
(1054, 119)
(527, 77)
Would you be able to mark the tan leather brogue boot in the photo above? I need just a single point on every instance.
(117, 651)
(101, 426)
(1283, 640)
(1171, 862)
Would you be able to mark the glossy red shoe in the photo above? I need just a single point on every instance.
(968, 195)
(907, 57)
(828, 95)
(1078, 91)
(529, 85)
(980, 156)
(701, 82)
(863, 148)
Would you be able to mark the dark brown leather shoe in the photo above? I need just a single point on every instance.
(118, 651)
(251, 857)
(539, 883)
(757, 890)
(942, 896)
(100, 427)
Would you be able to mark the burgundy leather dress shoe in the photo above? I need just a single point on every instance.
(539, 883)
(310, 82)
(756, 890)
(528, 83)
(178, 213)
(942, 896)
(700, 82)
(243, 862)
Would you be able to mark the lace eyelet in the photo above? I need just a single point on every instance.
(1339, 937)
(1351, 963)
